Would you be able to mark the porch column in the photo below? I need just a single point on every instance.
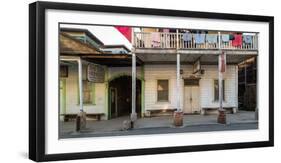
(222, 66)
(80, 80)
(81, 117)
(133, 114)
(178, 82)
(221, 69)
(178, 75)
(178, 114)
(220, 91)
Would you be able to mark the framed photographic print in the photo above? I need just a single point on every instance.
(109, 81)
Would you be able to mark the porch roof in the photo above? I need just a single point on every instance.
(112, 60)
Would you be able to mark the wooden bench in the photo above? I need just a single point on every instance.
(158, 112)
(228, 110)
(68, 117)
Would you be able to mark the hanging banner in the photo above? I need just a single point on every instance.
(95, 73)
(222, 62)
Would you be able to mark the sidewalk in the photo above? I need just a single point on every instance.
(116, 124)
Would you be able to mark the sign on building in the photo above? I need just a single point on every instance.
(196, 66)
(95, 73)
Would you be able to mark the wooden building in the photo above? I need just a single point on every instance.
(164, 71)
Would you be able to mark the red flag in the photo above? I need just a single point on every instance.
(222, 62)
(126, 31)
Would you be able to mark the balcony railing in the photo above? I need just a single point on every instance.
(194, 41)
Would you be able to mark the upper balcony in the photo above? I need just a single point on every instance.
(195, 41)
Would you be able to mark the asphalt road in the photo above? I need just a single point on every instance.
(164, 130)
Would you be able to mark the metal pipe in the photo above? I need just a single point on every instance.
(80, 79)
(80, 84)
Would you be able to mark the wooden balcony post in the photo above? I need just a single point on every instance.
(178, 74)
(80, 84)
(219, 45)
(133, 116)
(221, 68)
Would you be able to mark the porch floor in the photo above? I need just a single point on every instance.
(115, 126)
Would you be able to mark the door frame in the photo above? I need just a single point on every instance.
(142, 85)
(62, 110)
(192, 85)
(110, 107)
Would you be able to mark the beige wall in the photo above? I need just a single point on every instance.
(152, 73)
(155, 72)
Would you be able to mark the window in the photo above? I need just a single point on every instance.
(162, 90)
(216, 90)
(63, 71)
(88, 92)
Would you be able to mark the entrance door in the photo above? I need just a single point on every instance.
(191, 96)
(113, 102)
(120, 96)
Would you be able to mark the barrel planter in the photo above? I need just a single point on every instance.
(178, 118)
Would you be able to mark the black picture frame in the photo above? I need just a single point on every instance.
(37, 80)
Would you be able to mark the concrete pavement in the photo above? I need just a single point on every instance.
(164, 124)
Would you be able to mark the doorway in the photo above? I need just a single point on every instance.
(191, 96)
(120, 96)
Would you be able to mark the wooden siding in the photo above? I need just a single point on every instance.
(72, 106)
(151, 74)
(154, 72)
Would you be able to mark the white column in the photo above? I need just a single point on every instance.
(178, 82)
(133, 114)
(220, 76)
(178, 75)
(220, 90)
(80, 80)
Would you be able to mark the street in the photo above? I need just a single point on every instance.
(166, 130)
(243, 120)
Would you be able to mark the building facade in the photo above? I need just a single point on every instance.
(158, 53)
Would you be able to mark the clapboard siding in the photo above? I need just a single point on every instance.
(152, 74)
(72, 95)
(207, 87)
(100, 106)
(155, 72)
